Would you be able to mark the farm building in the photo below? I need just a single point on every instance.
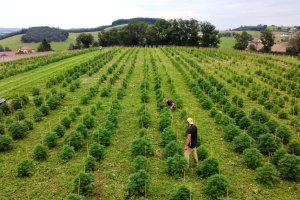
(26, 50)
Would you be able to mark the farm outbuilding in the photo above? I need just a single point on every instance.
(26, 50)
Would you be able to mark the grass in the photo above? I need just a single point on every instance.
(14, 42)
(113, 172)
(227, 43)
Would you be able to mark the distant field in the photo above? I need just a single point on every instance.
(14, 43)
(227, 42)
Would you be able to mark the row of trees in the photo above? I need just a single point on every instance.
(4, 49)
(267, 38)
(164, 32)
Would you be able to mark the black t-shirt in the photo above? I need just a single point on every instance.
(193, 131)
(170, 102)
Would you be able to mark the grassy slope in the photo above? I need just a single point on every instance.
(227, 43)
(15, 43)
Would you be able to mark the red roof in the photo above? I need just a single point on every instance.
(7, 53)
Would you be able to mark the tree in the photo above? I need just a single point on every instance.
(268, 39)
(294, 44)
(210, 36)
(85, 40)
(242, 40)
(44, 46)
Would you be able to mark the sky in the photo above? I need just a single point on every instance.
(224, 14)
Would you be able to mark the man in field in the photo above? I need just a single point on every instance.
(170, 103)
(191, 142)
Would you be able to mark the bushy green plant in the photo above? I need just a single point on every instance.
(244, 122)
(172, 149)
(20, 115)
(142, 132)
(51, 139)
(82, 130)
(38, 115)
(213, 112)
(267, 174)
(230, 132)
(294, 147)
(5, 143)
(279, 153)
(97, 151)
(206, 104)
(182, 193)
(66, 122)
(2, 129)
(84, 100)
(40, 152)
(283, 114)
(241, 142)
(45, 109)
(140, 162)
(268, 144)
(59, 130)
(75, 140)
(259, 115)
(272, 125)
(72, 116)
(216, 186)
(74, 197)
(208, 167)
(83, 183)
(176, 166)
(17, 103)
(202, 153)
(284, 133)
(138, 184)
(77, 110)
(102, 136)
(142, 146)
(89, 121)
(25, 168)
(144, 119)
(35, 91)
(38, 101)
(289, 167)
(66, 153)
(256, 129)
(90, 164)
(18, 130)
(252, 158)
(53, 102)
(164, 121)
(28, 124)
(167, 136)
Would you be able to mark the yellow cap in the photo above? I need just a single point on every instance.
(190, 120)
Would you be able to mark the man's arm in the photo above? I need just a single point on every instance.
(188, 140)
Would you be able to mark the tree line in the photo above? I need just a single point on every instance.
(267, 38)
(179, 32)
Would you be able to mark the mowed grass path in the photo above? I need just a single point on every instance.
(38, 77)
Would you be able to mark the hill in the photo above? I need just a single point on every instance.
(37, 34)
(14, 42)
